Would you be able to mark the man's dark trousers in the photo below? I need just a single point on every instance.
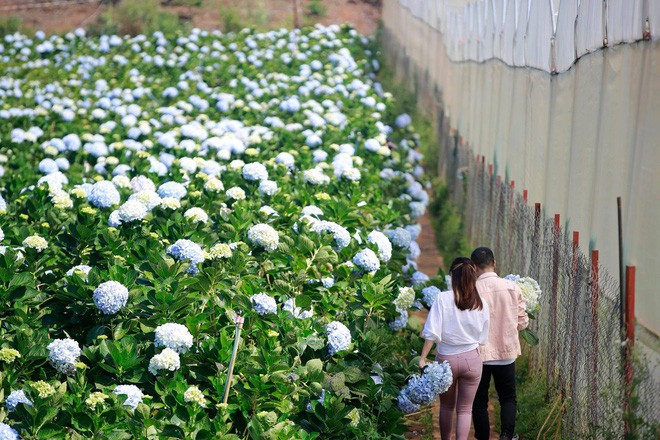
(504, 377)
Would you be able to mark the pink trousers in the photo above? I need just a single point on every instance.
(466, 369)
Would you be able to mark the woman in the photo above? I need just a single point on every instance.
(458, 324)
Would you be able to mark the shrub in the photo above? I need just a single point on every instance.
(137, 17)
(10, 24)
(316, 8)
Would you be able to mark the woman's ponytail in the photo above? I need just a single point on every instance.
(464, 284)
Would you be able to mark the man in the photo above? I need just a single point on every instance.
(507, 316)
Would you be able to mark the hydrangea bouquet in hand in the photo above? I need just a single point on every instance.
(531, 294)
(436, 378)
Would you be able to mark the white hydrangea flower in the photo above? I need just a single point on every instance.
(35, 242)
(220, 250)
(265, 236)
(383, 243)
(214, 184)
(132, 210)
(194, 395)
(268, 187)
(254, 171)
(174, 336)
(340, 234)
(315, 176)
(297, 312)
(167, 359)
(196, 215)
(404, 299)
(352, 174)
(148, 198)
(236, 193)
(170, 203)
(132, 393)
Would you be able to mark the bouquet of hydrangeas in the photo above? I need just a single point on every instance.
(436, 378)
(531, 294)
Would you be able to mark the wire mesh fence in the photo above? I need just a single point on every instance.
(582, 349)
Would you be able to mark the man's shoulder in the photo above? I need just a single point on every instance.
(491, 282)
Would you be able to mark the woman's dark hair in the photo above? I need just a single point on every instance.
(464, 284)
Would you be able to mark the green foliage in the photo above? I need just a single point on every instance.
(231, 20)
(10, 24)
(531, 392)
(195, 3)
(316, 8)
(137, 17)
(449, 231)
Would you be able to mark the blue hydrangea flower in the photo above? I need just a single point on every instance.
(399, 322)
(439, 376)
(7, 432)
(48, 166)
(400, 238)
(340, 234)
(110, 297)
(172, 189)
(405, 405)
(63, 355)
(402, 120)
(430, 295)
(367, 260)
(16, 397)
(339, 337)
(419, 391)
(417, 209)
(263, 304)
(419, 278)
(103, 194)
(187, 250)
(132, 393)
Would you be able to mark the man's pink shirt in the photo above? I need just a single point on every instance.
(507, 316)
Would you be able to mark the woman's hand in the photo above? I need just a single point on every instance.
(422, 363)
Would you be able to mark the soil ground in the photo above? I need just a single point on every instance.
(65, 15)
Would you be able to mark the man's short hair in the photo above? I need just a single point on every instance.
(483, 257)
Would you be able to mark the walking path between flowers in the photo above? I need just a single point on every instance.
(429, 262)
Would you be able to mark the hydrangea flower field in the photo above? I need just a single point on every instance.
(153, 187)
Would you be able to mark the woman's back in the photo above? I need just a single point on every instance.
(454, 330)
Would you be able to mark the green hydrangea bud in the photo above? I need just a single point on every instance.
(335, 382)
(314, 365)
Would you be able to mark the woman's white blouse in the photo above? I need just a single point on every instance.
(455, 331)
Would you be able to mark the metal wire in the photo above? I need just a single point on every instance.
(581, 350)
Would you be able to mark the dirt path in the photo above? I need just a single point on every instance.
(429, 262)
